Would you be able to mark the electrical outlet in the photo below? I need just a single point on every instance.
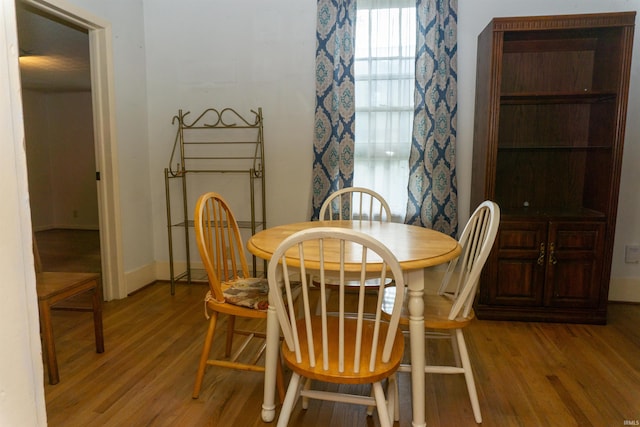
(632, 254)
(75, 214)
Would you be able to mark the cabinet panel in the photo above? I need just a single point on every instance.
(526, 125)
(518, 277)
(574, 264)
(542, 180)
(554, 71)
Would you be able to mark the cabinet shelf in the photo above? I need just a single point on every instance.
(552, 214)
(554, 148)
(540, 98)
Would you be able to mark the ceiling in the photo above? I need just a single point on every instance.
(54, 54)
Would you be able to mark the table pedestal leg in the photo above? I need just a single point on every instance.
(271, 361)
(415, 282)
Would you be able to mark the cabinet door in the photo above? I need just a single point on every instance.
(516, 269)
(574, 264)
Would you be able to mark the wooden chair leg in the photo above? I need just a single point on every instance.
(280, 381)
(47, 340)
(455, 348)
(395, 392)
(231, 325)
(205, 354)
(289, 400)
(371, 408)
(381, 404)
(468, 375)
(305, 399)
(97, 319)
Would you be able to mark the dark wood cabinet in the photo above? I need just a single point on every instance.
(551, 99)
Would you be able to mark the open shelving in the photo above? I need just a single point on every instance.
(222, 151)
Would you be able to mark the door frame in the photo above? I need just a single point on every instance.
(103, 103)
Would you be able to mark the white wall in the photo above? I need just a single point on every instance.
(38, 155)
(21, 371)
(127, 26)
(61, 159)
(243, 54)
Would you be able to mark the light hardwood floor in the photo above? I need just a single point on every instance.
(528, 374)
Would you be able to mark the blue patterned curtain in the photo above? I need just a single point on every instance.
(335, 103)
(432, 175)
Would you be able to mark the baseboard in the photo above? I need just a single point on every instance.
(624, 289)
(65, 227)
(139, 278)
(157, 271)
(163, 270)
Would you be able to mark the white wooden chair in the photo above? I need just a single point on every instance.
(337, 349)
(355, 203)
(232, 290)
(451, 310)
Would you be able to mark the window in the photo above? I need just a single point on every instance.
(384, 87)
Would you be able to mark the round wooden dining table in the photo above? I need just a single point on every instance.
(415, 248)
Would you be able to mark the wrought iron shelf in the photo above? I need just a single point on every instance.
(218, 141)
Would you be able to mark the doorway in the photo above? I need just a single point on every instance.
(59, 141)
(96, 204)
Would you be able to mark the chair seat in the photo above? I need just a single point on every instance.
(436, 310)
(348, 376)
(243, 297)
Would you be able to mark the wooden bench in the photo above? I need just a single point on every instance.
(53, 289)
